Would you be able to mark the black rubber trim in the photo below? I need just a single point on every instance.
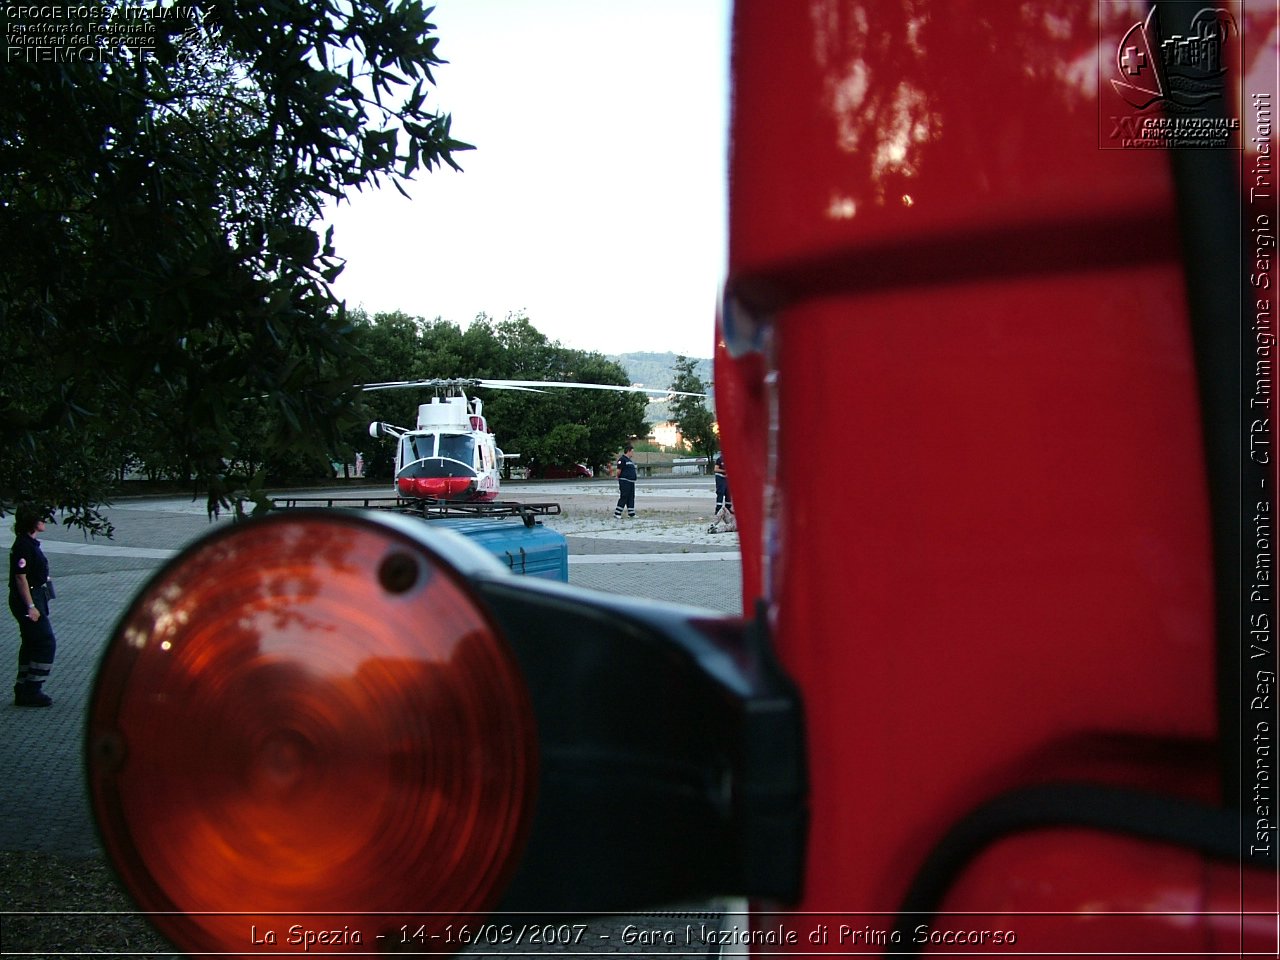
(1207, 198)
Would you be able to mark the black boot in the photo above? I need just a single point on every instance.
(30, 695)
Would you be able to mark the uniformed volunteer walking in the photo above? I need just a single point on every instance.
(625, 469)
(30, 590)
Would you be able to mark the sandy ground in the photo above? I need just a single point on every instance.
(665, 512)
(670, 511)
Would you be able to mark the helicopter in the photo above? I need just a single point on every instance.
(451, 454)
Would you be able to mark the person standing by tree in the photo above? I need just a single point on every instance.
(30, 590)
(625, 470)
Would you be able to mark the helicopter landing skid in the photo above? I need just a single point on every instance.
(435, 509)
(427, 508)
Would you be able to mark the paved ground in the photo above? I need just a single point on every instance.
(664, 554)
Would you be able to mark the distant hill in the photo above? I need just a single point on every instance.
(657, 370)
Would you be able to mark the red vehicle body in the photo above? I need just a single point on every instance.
(576, 471)
(996, 387)
(1002, 577)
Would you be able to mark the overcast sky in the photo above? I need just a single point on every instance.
(595, 197)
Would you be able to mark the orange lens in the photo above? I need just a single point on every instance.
(308, 722)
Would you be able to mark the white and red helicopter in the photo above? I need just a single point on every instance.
(451, 454)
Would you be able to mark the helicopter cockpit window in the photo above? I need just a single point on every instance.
(458, 447)
(419, 447)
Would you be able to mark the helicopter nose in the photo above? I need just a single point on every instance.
(436, 488)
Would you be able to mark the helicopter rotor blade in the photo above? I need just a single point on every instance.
(507, 386)
(530, 386)
(437, 384)
(409, 384)
(526, 384)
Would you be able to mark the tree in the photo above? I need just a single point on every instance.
(610, 419)
(391, 347)
(160, 206)
(690, 414)
(537, 426)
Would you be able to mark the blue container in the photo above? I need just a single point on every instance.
(530, 551)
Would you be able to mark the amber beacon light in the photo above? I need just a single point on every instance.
(309, 727)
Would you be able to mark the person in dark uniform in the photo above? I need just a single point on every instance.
(724, 501)
(30, 590)
(625, 470)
